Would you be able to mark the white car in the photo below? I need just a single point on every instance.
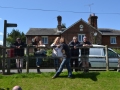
(97, 57)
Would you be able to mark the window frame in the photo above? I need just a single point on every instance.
(44, 39)
(114, 41)
(81, 37)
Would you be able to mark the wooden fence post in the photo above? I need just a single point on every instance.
(27, 60)
(107, 60)
(8, 66)
(3, 60)
(8, 61)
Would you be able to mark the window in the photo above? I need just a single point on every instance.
(45, 39)
(113, 40)
(80, 37)
(112, 54)
(97, 51)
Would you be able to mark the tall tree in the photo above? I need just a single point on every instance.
(11, 37)
(63, 25)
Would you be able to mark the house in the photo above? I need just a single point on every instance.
(80, 28)
(110, 37)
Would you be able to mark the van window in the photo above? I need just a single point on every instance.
(97, 51)
(112, 54)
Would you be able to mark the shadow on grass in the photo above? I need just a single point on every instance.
(7, 73)
(91, 75)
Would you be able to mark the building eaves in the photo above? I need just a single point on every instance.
(42, 31)
(109, 31)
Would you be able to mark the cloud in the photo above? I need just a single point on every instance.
(1, 42)
(1, 33)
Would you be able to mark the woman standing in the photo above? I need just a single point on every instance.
(66, 59)
(37, 51)
(56, 53)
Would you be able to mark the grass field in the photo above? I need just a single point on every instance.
(94, 80)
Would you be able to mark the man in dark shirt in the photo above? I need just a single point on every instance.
(19, 46)
(74, 52)
(85, 53)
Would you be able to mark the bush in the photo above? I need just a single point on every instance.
(49, 52)
(117, 50)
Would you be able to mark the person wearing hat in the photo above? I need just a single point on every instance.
(16, 88)
(18, 46)
(85, 54)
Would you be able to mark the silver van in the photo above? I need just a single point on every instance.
(97, 57)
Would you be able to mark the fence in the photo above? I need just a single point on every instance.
(48, 60)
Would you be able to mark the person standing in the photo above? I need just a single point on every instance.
(85, 54)
(66, 59)
(18, 46)
(74, 52)
(38, 51)
(56, 53)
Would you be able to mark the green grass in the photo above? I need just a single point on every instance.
(94, 80)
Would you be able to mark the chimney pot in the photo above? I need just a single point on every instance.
(59, 19)
(92, 20)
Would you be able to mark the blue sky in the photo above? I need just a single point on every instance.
(107, 11)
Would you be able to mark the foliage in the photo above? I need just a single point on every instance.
(11, 37)
(49, 52)
(63, 25)
(117, 50)
(94, 80)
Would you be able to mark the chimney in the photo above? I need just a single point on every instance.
(92, 20)
(59, 19)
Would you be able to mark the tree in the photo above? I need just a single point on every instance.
(11, 37)
(63, 25)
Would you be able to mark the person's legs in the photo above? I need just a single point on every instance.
(38, 62)
(38, 65)
(60, 68)
(17, 65)
(56, 64)
(76, 64)
(21, 65)
(83, 62)
(71, 63)
(68, 67)
(87, 63)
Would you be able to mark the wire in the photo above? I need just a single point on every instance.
(52, 10)
(42, 9)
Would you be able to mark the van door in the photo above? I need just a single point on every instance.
(97, 57)
(113, 58)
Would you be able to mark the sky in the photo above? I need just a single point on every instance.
(43, 13)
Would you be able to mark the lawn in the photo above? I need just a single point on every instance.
(94, 80)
